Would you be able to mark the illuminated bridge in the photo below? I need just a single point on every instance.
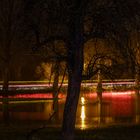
(40, 85)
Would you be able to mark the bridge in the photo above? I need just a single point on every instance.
(42, 85)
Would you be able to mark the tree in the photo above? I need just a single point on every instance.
(108, 20)
(110, 58)
(115, 21)
(74, 22)
(11, 17)
(70, 31)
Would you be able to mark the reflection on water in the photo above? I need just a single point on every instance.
(116, 107)
(83, 116)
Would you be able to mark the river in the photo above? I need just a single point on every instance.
(120, 107)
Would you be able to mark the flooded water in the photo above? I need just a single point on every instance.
(116, 107)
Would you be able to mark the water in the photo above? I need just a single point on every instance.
(116, 108)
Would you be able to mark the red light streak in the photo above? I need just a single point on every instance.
(36, 95)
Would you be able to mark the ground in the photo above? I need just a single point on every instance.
(36, 132)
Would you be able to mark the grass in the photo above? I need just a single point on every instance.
(111, 133)
(21, 132)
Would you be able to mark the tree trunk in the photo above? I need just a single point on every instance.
(75, 67)
(5, 96)
(137, 76)
(74, 46)
(137, 106)
(55, 88)
(137, 79)
(99, 96)
(5, 79)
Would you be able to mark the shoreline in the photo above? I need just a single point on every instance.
(112, 132)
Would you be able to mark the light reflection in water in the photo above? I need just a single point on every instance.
(83, 116)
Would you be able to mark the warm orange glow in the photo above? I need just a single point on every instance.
(83, 116)
(82, 100)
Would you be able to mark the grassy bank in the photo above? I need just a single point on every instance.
(131, 132)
